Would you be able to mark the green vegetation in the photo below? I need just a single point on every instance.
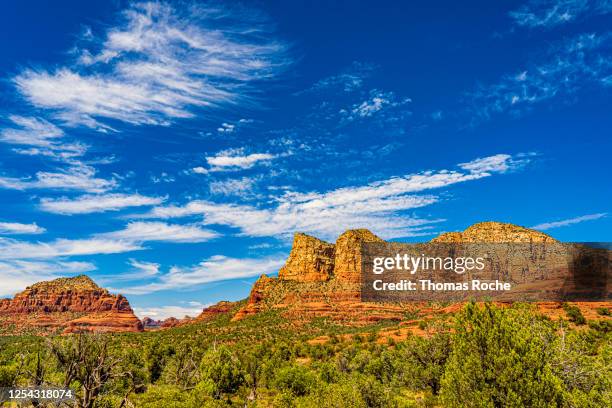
(487, 356)
(604, 311)
(574, 314)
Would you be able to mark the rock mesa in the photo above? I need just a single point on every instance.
(323, 279)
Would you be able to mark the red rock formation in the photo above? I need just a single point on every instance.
(170, 322)
(347, 262)
(310, 260)
(314, 260)
(75, 304)
(321, 279)
(211, 312)
(262, 289)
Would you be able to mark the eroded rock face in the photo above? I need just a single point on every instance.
(314, 260)
(495, 232)
(310, 260)
(170, 322)
(109, 322)
(322, 279)
(211, 312)
(77, 304)
(262, 288)
(347, 263)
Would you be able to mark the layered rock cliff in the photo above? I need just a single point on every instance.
(347, 261)
(314, 260)
(69, 304)
(310, 260)
(323, 279)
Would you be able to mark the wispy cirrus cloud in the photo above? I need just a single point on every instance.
(499, 163)
(570, 221)
(214, 269)
(377, 101)
(379, 206)
(577, 63)
(159, 62)
(139, 231)
(129, 239)
(349, 80)
(234, 187)
(88, 204)
(144, 269)
(22, 250)
(39, 137)
(78, 177)
(139, 271)
(7, 228)
(547, 14)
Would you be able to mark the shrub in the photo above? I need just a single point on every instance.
(221, 369)
(296, 379)
(574, 314)
(603, 326)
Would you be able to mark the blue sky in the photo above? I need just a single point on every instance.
(170, 150)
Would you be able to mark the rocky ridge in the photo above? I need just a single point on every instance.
(495, 232)
(323, 279)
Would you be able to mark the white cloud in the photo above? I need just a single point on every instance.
(97, 203)
(159, 62)
(378, 101)
(18, 228)
(39, 137)
(139, 231)
(162, 178)
(371, 106)
(226, 128)
(499, 163)
(31, 132)
(139, 270)
(575, 64)
(379, 206)
(166, 311)
(570, 221)
(237, 159)
(552, 13)
(125, 240)
(78, 177)
(145, 269)
(199, 170)
(349, 80)
(16, 275)
(20, 250)
(230, 187)
(214, 269)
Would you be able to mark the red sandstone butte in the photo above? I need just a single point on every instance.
(70, 305)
